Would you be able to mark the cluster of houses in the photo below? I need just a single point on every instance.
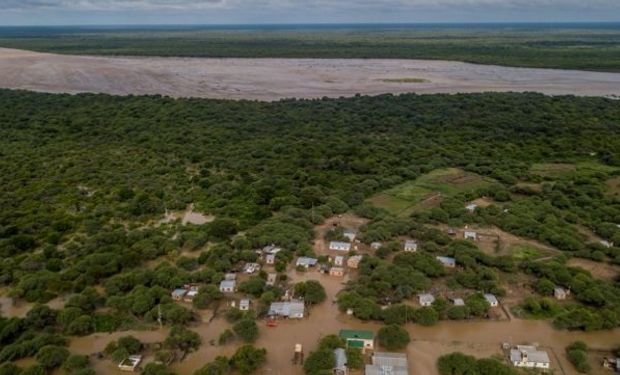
(185, 294)
(427, 299)
(382, 363)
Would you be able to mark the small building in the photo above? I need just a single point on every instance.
(376, 245)
(451, 232)
(228, 286)
(341, 362)
(426, 299)
(612, 364)
(560, 293)
(270, 258)
(306, 262)
(447, 261)
(131, 363)
(338, 261)
(607, 244)
(289, 309)
(388, 364)
(529, 357)
(336, 271)
(230, 276)
(339, 246)
(364, 340)
(250, 268)
(470, 235)
(271, 249)
(272, 278)
(471, 207)
(178, 294)
(458, 302)
(244, 304)
(189, 297)
(354, 261)
(350, 234)
(491, 299)
(410, 245)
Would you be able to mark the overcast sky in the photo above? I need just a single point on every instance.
(89, 12)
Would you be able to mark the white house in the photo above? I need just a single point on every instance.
(250, 268)
(350, 234)
(306, 262)
(339, 246)
(289, 309)
(228, 286)
(244, 304)
(410, 245)
(458, 302)
(338, 261)
(426, 299)
(607, 244)
(529, 357)
(470, 235)
(130, 363)
(271, 249)
(388, 363)
(376, 245)
(271, 279)
(341, 362)
(270, 258)
(447, 261)
(491, 299)
(560, 293)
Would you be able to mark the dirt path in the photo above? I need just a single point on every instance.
(272, 79)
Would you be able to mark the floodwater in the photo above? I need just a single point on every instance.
(10, 307)
(272, 79)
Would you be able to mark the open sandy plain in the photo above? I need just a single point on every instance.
(273, 79)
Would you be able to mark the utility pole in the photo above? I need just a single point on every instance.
(159, 320)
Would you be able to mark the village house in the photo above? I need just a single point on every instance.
(426, 299)
(447, 261)
(350, 234)
(491, 299)
(364, 340)
(410, 245)
(471, 207)
(230, 276)
(388, 364)
(336, 271)
(607, 244)
(338, 261)
(289, 309)
(178, 294)
(560, 293)
(376, 245)
(340, 367)
(354, 261)
(612, 364)
(189, 297)
(271, 249)
(306, 262)
(458, 302)
(131, 363)
(228, 286)
(244, 304)
(272, 278)
(470, 235)
(251, 268)
(529, 356)
(339, 246)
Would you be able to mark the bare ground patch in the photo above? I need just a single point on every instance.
(597, 269)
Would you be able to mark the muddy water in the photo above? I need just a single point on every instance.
(477, 338)
(10, 307)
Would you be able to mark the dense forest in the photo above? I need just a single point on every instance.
(567, 46)
(86, 180)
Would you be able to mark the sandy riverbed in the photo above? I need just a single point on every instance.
(272, 79)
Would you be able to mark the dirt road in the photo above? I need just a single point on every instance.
(273, 79)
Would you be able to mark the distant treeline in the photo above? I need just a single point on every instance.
(594, 47)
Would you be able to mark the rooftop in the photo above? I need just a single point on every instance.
(306, 261)
(356, 334)
(448, 261)
(491, 298)
(389, 359)
(287, 308)
(385, 370)
(341, 359)
(532, 353)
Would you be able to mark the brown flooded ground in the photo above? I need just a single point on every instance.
(10, 307)
(272, 79)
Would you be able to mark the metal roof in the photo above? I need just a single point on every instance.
(389, 359)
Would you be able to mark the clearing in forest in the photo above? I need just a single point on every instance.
(599, 270)
(428, 190)
(554, 170)
(613, 187)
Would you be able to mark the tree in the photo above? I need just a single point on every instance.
(312, 292)
(577, 353)
(426, 316)
(457, 364)
(248, 359)
(220, 366)
(319, 361)
(52, 356)
(75, 363)
(182, 339)
(246, 329)
(393, 337)
(491, 366)
(206, 295)
(156, 369)
(355, 358)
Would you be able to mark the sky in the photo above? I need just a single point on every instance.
(126, 12)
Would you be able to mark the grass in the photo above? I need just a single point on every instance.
(524, 252)
(556, 170)
(427, 190)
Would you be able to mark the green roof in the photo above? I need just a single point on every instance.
(355, 343)
(355, 334)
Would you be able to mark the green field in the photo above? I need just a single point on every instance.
(566, 46)
(555, 170)
(524, 252)
(427, 190)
